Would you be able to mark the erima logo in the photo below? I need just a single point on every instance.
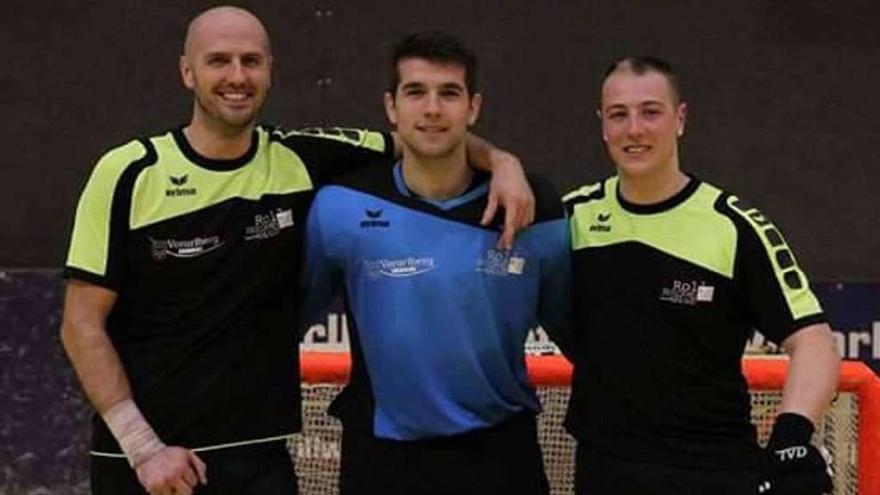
(178, 190)
(374, 219)
(792, 453)
(501, 263)
(688, 293)
(601, 218)
(189, 248)
(399, 268)
(269, 224)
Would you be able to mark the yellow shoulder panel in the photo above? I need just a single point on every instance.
(90, 241)
(175, 186)
(692, 231)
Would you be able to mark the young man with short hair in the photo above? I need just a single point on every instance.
(671, 275)
(439, 401)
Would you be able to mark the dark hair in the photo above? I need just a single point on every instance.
(434, 46)
(642, 64)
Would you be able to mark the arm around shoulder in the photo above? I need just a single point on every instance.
(509, 187)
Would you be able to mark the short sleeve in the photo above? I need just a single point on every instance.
(776, 289)
(99, 225)
(331, 152)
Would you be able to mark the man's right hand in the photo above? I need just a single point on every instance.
(172, 471)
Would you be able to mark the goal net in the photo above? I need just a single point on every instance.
(850, 429)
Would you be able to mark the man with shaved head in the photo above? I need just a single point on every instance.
(182, 269)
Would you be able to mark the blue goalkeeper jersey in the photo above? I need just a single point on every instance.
(438, 316)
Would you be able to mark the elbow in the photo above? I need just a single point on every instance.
(816, 344)
(68, 335)
(75, 335)
(829, 348)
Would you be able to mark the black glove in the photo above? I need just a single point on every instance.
(794, 466)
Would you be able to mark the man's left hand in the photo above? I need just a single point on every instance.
(794, 465)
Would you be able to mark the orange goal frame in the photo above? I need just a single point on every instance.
(761, 374)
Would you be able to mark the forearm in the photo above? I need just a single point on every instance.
(97, 365)
(813, 372)
(100, 371)
(91, 352)
(509, 187)
(483, 155)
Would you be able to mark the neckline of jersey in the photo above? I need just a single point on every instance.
(479, 186)
(219, 165)
(667, 204)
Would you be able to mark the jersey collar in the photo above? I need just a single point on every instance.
(212, 164)
(479, 187)
(667, 204)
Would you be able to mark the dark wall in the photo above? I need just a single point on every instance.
(782, 97)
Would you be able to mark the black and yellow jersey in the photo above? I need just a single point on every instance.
(205, 257)
(665, 297)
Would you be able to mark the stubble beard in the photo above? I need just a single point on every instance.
(216, 120)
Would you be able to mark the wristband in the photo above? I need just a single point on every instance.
(136, 437)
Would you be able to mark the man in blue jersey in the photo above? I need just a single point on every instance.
(183, 259)
(671, 276)
(439, 401)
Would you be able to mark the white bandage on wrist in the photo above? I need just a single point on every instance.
(135, 436)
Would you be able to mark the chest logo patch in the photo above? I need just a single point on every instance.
(373, 219)
(601, 224)
(187, 248)
(688, 293)
(501, 263)
(399, 268)
(179, 187)
(269, 224)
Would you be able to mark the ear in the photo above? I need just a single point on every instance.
(186, 74)
(390, 109)
(269, 60)
(681, 116)
(476, 103)
(599, 116)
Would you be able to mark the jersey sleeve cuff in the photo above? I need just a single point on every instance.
(86, 276)
(800, 323)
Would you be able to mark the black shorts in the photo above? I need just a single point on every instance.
(597, 473)
(260, 469)
(503, 459)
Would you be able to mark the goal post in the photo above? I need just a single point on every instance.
(850, 429)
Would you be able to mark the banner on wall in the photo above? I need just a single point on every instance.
(853, 310)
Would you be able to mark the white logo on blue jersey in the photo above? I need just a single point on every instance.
(403, 267)
(501, 263)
